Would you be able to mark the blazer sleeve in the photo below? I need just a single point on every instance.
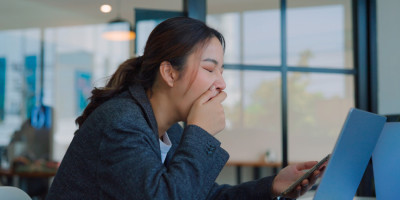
(257, 189)
(130, 166)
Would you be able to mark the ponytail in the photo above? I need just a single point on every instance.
(126, 74)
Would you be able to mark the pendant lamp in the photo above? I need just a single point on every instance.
(119, 29)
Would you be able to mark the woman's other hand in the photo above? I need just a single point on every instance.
(207, 111)
(290, 174)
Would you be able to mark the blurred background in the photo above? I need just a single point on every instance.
(293, 69)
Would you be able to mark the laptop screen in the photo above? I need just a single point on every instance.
(386, 162)
(350, 155)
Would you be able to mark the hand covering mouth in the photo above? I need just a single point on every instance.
(215, 92)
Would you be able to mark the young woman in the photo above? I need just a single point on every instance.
(129, 145)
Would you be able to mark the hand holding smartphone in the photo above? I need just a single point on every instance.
(306, 175)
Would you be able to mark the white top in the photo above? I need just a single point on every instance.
(165, 145)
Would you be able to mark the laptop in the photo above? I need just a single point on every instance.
(386, 162)
(350, 156)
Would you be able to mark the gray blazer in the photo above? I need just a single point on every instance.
(116, 154)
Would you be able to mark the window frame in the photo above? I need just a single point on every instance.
(364, 70)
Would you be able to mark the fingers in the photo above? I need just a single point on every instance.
(316, 175)
(322, 169)
(220, 97)
(304, 183)
(208, 95)
(207, 111)
(300, 190)
(306, 165)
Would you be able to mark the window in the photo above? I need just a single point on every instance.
(19, 66)
(290, 74)
(76, 59)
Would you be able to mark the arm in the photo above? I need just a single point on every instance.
(130, 165)
(251, 190)
(258, 189)
(270, 187)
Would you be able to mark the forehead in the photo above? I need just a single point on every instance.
(212, 50)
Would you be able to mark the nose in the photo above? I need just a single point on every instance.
(220, 83)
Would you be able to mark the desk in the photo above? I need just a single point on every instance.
(310, 195)
(256, 168)
(33, 174)
(15, 178)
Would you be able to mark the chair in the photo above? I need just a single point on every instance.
(13, 193)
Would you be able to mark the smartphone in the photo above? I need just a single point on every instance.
(306, 175)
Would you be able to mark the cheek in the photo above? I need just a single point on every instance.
(199, 86)
(203, 81)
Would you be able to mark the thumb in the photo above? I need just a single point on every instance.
(212, 92)
(305, 165)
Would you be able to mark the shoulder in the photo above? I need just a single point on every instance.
(121, 104)
(119, 110)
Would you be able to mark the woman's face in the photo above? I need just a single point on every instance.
(208, 62)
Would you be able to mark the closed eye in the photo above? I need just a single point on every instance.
(209, 69)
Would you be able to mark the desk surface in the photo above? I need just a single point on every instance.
(33, 174)
(254, 164)
(310, 195)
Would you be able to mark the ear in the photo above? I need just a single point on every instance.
(168, 73)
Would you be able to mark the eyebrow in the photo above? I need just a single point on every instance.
(211, 60)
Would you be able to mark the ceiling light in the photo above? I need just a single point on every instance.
(119, 30)
(105, 8)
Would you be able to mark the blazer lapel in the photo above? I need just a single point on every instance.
(174, 134)
(139, 94)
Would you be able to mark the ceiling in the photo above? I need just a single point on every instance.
(19, 14)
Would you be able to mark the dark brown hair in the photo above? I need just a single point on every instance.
(172, 40)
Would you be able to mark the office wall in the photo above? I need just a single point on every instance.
(388, 37)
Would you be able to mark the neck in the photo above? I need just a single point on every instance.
(163, 111)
